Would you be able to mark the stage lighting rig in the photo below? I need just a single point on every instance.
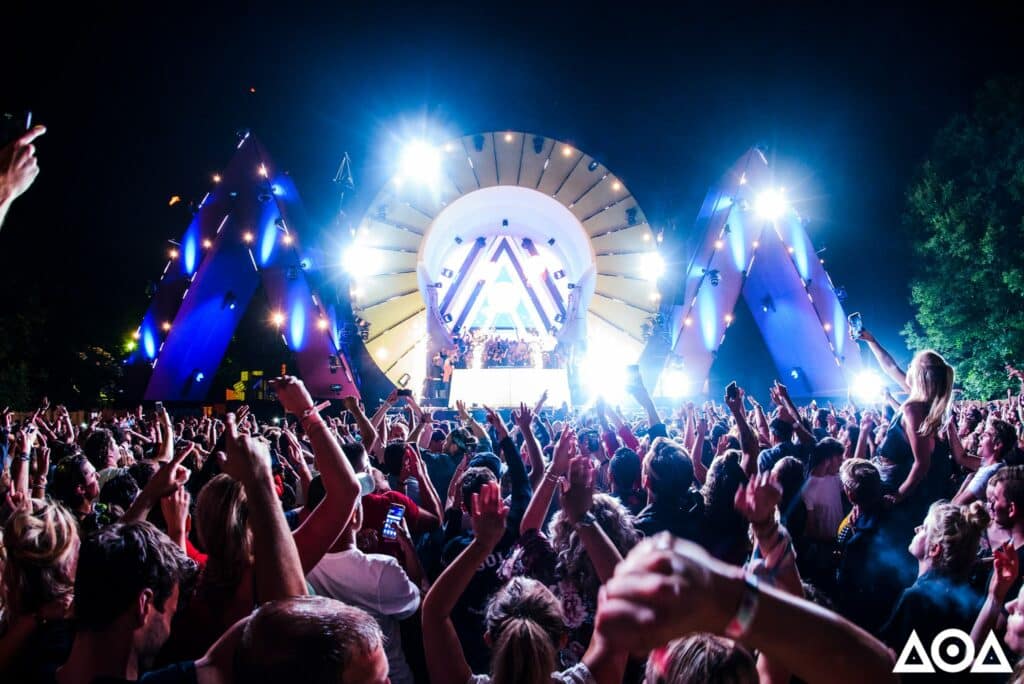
(713, 275)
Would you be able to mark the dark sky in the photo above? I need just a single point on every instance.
(141, 107)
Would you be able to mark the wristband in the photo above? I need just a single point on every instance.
(740, 623)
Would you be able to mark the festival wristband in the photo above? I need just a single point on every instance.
(740, 623)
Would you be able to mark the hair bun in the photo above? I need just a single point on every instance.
(976, 515)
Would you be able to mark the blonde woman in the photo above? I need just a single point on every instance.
(39, 551)
(913, 459)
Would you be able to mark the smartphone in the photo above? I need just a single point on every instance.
(13, 126)
(404, 393)
(158, 406)
(856, 325)
(732, 391)
(392, 521)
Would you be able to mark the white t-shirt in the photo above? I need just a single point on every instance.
(377, 584)
(823, 497)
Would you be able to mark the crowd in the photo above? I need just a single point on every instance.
(736, 542)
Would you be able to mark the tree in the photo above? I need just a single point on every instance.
(966, 211)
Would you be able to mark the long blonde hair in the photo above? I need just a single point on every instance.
(931, 382)
(40, 542)
(222, 524)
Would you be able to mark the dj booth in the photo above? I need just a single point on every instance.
(507, 387)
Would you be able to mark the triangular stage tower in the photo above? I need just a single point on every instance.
(243, 234)
(752, 242)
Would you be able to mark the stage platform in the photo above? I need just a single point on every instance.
(507, 387)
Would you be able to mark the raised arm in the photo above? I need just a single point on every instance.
(667, 588)
(748, 441)
(524, 420)
(322, 526)
(885, 360)
(277, 568)
(366, 432)
(577, 498)
(446, 661)
(537, 510)
(643, 397)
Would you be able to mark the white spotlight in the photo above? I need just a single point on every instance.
(867, 387)
(420, 162)
(675, 384)
(652, 265)
(770, 205)
(360, 261)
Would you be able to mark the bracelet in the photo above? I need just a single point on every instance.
(551, 476)
(740, 623)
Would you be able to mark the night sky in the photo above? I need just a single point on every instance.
(143, 107)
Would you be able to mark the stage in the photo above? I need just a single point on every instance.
(507, 387)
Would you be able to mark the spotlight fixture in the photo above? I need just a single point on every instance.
(504, 223)
(478, 142)
(571, 286)
(248, 237)
(448, 318)
(216, 178)
(508, 137)
(592, 166)
(229, 301)
(551, 241)
(166, 326)
(631, 216)
(437, 285)
(566, 151)
(770, 205)
(559, 274)
(336, 389)
(616, 186)
(713, 275)
(559, 318)
(173, 253)
(767, 304)
(322, 324)
(207, 244)
(538, 144)
(446, 273)
(458, 240)
(277, 319)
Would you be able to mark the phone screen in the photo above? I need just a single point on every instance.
(856, 324)
(393, 520)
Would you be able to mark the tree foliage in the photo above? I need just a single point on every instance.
(966, 214)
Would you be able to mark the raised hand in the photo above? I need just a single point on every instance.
(722, 446)
(564, 452)
(757, 499)
(171, 476)
(1005, 568)
(175, 510)
(489, 514)
(736, 403)
(18, 165)
(665, 587)
(499, 425)
(460, 406)
(578, 489)
(246, 458)
(292, 394)
(523, 418)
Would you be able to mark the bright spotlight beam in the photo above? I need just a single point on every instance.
(652, 265)
(360, 261)
(867, 387)
(420, 162)
(675, 384)
(771, 205)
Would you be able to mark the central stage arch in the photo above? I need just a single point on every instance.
(513, 231)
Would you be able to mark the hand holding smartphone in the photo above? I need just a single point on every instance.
(856, 325)
(392, 521)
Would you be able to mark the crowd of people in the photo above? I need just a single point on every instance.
(736, 542)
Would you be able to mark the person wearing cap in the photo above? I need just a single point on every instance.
(441, 459)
